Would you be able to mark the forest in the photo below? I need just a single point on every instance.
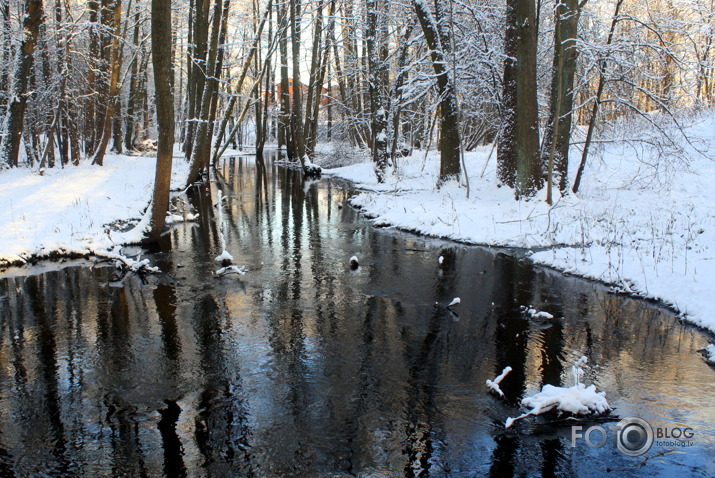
(532, 77)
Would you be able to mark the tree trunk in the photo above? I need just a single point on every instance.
(197, 53)
(133, 90)
(161, 54)
(16, 110)
(5, 57)
(375, 43)
(104, 70)
(63, 107)
(395, 99)
(117, 128)
(314, 85)
(340, 77)
(564, 71)
(285, 138)
(312, 140)
(352, 98)
(218, 70)
(296, 118)
(90, 112)
(519, 164)
(265, 97)
(450, 143)
(113, 86)
(202, 145)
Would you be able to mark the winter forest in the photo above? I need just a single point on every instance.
(78, 78)
(356, 237)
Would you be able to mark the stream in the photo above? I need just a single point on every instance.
(305, 367)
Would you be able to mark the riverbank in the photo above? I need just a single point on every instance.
(642, 221)
(79, 210)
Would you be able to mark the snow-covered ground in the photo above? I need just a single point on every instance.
(69, 210)
(643, 219)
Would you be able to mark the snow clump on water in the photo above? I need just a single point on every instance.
(577, 399)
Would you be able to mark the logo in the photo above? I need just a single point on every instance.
(633, 436)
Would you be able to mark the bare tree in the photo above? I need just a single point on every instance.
(116, 56)
(437, 38)
(161, 55)
(296, 111)
(519, 164)
(597, 100)
(558, 130)
(377, 84)
(201, 150)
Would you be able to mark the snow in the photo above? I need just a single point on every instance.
(641, 222)
(577, 399)
(70, 210)
(225, 258)
(536, 314)
(311, 169)
(710, 353)
(232, 269)
(493, 385)
(177, 218)
(225, 255)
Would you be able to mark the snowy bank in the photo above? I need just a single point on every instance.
(642, 221)
(70, 210)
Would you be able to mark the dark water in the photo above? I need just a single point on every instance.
(304, 367)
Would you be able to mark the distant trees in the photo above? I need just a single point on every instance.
(603, 69)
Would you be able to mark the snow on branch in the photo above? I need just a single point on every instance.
(494, 384)
(232, 269)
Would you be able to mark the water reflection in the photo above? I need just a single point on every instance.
(304, 367)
